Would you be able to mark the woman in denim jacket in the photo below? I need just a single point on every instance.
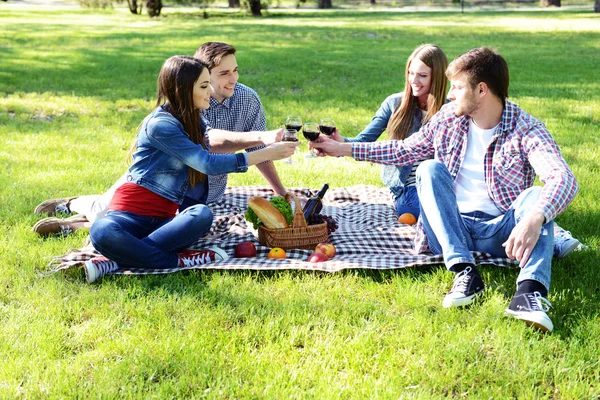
(403, 114)
(142, 228)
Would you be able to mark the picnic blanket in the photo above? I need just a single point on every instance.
(368, 236)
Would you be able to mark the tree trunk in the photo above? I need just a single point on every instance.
(597, 6)
(372, 2)
(234, 3)
(324, 3)
(133, 7)
(255, 7)
(154, 7)
(549, 3)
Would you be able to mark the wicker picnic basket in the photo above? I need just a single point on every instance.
(298, 236)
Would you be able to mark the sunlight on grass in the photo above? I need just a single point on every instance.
(75, 84)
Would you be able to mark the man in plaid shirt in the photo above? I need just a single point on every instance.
(477, 192)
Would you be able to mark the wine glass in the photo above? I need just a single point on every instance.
(327, 126)
(293, 122)
(310, 130)
(289, 135)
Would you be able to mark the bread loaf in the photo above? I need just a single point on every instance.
(268, 214)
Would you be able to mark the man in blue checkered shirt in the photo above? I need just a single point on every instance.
(235, 120)
(234, 107)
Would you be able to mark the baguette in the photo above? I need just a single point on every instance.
(268, 214)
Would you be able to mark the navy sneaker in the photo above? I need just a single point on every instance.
(467, 286)
(531, 308)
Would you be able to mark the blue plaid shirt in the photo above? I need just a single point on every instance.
(521, 148)
(242, 112)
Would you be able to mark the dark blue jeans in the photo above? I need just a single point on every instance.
(145, 242)
(408, 202)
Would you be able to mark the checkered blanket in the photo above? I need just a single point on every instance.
(368, 236)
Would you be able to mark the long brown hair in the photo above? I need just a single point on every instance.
(175, 89)
(432, 56)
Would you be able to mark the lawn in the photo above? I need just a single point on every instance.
(74, 85)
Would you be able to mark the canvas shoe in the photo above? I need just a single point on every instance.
(531, 308)
(191, 258)
(54, 206)
(467, 286)
(57, 226)
(565, 243)
(97, 267)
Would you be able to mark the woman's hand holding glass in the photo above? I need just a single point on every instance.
(289, 135)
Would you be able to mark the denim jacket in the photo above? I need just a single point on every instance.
(164, 153)
(393, 177)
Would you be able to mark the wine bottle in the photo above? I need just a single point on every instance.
(314, 204)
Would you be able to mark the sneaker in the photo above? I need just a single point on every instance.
(467, 286)
(54, 206)
(565, 243)
(191, 258)
(531, 308)
(97, 267)
(57, 226)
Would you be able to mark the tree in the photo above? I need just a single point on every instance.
(255, 6)
(154, 7)
(324, 3)
(597, 6)
(133, 6)
(550, 3)
(234, 3)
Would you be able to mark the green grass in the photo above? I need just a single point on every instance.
(75, 84)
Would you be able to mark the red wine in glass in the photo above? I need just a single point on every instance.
(327, 130)
(310, 135)
(289, 139)
(296, 127)
(327, 126)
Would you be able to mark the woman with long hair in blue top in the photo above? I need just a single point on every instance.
(403, 114)
(142, 228)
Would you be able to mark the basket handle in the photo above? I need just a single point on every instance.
(298, 221)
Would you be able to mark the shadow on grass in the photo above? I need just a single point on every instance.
(90, 61)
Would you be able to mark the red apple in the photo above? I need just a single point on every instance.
(317, 257)
(326, 248)
(245, 249)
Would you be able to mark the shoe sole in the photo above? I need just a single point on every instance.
(220, 252)
(90, 271)
(464, 301)
(537, 319)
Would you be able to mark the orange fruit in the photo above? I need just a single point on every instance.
(407, 218)
(277, 252)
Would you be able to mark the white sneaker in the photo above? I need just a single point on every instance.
(97, 267)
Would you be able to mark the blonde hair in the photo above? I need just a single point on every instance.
(401, 120)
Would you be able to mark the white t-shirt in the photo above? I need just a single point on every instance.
(470, 187)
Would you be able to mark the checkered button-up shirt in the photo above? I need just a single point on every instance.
(242, 112)
(520, 148)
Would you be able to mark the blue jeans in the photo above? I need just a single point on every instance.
(138, 241)
(408, 202)
(455, 235)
